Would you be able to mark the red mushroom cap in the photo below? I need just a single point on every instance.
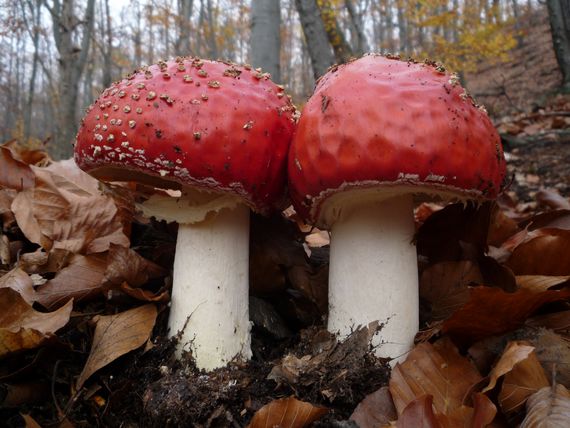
(192, 122)
(382, 124)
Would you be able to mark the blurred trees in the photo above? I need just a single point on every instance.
(559, 12)
(59, 54)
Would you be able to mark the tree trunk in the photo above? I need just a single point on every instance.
(107, 45)
(72, 60)
(265, 36)
(360, 45)
(211, 35)
(342, 50)
(315, 36)
(182, 46)
(559, 12)
(403, 29)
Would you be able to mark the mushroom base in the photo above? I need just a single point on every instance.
(373, 273)
(209, 311)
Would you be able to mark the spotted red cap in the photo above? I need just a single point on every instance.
(382, 126)
(192, 122)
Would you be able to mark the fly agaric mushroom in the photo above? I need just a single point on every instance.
(218, 134)
(376, 132)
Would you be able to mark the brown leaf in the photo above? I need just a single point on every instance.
(438, 370)
(81, 279)
(29, 421)
(548, 408)
(514, 353)
(126, 265)
(145, 295)
(14, 174)
(540, 282)
(18, 280)
(68, 169)
(491, 311)
(526, 377)
(552, 199)
(544, 252)
(57, 213)
(115, 335)
(445, 286)
(6, 215)
(419, 414)
(559, 219)
(501, 227)
(376, 410)
(287, 413)
(21, 327)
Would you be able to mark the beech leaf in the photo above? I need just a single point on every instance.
(22, 327)
(19, 280)
(437, 370)
(491, 311)
(548, 408)
(287, 413)
(376, 410)
(116, 335)
(419, 414)
(514, 353)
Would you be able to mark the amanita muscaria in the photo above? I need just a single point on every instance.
(219, 133)
(377, 132)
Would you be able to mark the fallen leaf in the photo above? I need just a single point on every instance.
(540, 282)
(419, 414)
(445, 286)
(558, 219)
(552, 199)
(68, 169)
(6, 215)
(57, 213)
(145, 295)
(514, 353)
(126, 265)
(81, 279)
(116, 335)
(376, 410)
(19, 280)
(29, 421)
(526, 377)
(14, 174)
(548, 408)
(40, 262)
(287, 413)
(501, 227)
(437, 370)
(22, 327)
(544, 252)
(491, 311)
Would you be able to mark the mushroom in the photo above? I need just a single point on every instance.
(215, 136)
(376, 132)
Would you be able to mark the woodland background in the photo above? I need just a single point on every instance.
(57, 55)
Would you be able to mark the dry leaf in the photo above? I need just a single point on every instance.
(437, 370)
(21, 327)
(514, 353)
(540, 282)
(83, 278)
(376, 410)
(115, 335)
(145, 295)
(491, 311)
(445, 286)
(287, 413)
(6, 215)
(526, 377)
(501, 227)
(126, 265)
(544, 252)
(548, 408)
(559, 219)
(559, 322)
(19, 280)
(29, 421)
(14, 174)
(552, 199)
(57, 213)
(419, 414)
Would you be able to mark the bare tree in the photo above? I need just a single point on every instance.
(559, 12)
(315, 36)
(342, 50)
(265, 38)
(359, 41)
(72, 58)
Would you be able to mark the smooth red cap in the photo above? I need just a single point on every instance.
(380, 122)
(190, 122)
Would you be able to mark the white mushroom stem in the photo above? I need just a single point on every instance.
(373, 273)
(210, 288)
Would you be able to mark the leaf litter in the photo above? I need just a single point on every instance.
(84, 291)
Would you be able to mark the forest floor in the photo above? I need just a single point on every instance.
(297, 368)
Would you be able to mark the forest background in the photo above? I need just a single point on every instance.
(58, 55)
